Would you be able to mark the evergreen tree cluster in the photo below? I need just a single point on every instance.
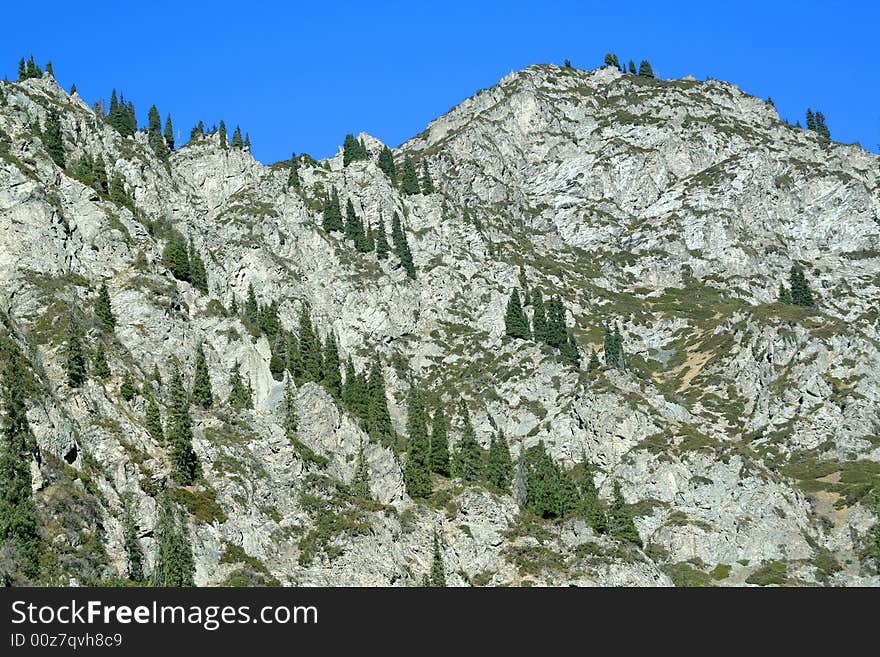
(293, 177)
(548, 323)
(353, 150)
(385, 162)
(410, 180)
(92, 172)
(184, 461)
(19, 518)
(184, 261)
(401, 247)
(613, 348)
(161, 143)
(799, 294)
(121, 115)
(816, 123)
(175, 566)
(644, 69)
(52, 138)
(29, 69)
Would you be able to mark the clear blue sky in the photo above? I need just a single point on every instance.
(298, 76)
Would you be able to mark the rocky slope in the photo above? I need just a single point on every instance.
(745, 432)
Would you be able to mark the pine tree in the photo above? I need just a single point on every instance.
(378, 417)
(469, 455)
(570, 352)
(821, 128)
(348, 384)
(811, 120)
(247, 141)
(784, 294)
(614, 348)
(236, 138)
(385, 162)
(354, 228)
(516, 324)
(22, 70)
(240, 393)
(556, 331)
(539, 318)
(100, 368)
(293, 177)
(332, 219)
(499, 468)
(645, 69)
(202, 393)
(251, 307)
(19, 519)
(197, 274)
(360, 483)
(632, 68)
(594, 514)
(74, 361)
(175, 566)
(416, 473)
(352, 150)
(175, 256)
(154, 133)
(620, 519)
(381, 240)
(224, 139)
(801, 295)
(570, 502)
(184, 462)
(524, 285)
(401, 246)
(127, 390)
(410, 180)
(293, 358)
(332, 377)
(278, 358)
(99, 174)
(427, 183)
(542, 483)
(154, 421)
(169, 133)
(594, 361)
(610, 59)
(369, 239)
(290, 419)
(438, 572)
(439, 457)
(103, 309)
(53, 140)
(308, 347)
(133, 550)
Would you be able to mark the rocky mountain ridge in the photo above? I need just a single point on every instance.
(743, 431)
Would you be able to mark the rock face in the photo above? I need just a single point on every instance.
(743, 431)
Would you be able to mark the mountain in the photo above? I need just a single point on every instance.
(677, 229)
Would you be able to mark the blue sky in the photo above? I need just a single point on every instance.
(299, 76)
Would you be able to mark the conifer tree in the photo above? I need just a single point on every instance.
(801, 295)
(594, 361)
(251, 308)
(438, 571)
(52, 138)
(175, 256)
(632, 68)
(348, 384)
(154, 421)
(103, 309)
(379, 419)
(154, 133)
(99, 174)
(197, 274)
(620, 519)
(74, 361)
(224, 139)
(240, 393)
(469, 455)
(293, 358)
(100, 368)
(184, 462)
(354, 229)
(278, 358)
(310, 351)
(293, 177)
(516, 324)
(542, 483)
(381, 240)
(49, 69)
(499, 468)
(610, 59)
(556, 331)
(570, 502)
(133, 550)
(169, 133)
(416, 473)
(332, 377)
(569, 350)
(614, 348)
(352, 150)
(385, 162)
(247, 141)
(236, 138)
(332, 220)
(427, 184)
(401, 246)
(175, 566)
(645, 69)
(127, 389)
(524, 285)
(539, 318)
(202, 393)
(360, 484)
(22, 70)
(811, 120)
(439, 443)
(290, 421)
(594, 514)
(410, 180)
(19, 519)
(369, 242)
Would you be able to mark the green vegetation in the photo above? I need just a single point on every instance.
(772, 573)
